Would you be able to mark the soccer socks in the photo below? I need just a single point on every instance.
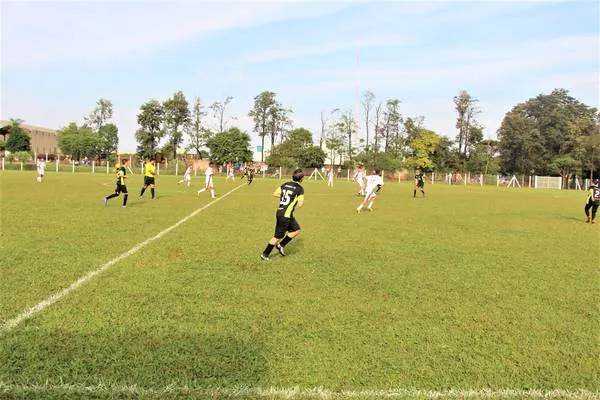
(415, 193)
(125, 199)
(112, 195)
(152, 192)
(268, 250)
(370, 204)
(360, 207)
(142, 192)
(285, 241)
(212, 193)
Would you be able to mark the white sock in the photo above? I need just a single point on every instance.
(202, 190)
(370, 204)
(212, 192)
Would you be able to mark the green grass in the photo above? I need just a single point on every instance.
(468, 288)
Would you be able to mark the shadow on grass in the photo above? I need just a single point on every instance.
(125, 358)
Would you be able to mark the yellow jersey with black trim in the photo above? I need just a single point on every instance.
(149, 170)
(121, 175)
(290, 193)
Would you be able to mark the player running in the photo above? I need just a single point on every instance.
(187, 176)
(359, 178)
(121, 170)
(291, 194)
(208, 180)
(593, 201)
(330, 177)
(374, 185)
(41, 169)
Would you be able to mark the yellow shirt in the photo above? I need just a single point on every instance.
(149, 169)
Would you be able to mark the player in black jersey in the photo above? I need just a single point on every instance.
(121, 171)
(419, 183)
(593, 201)
(290, 194)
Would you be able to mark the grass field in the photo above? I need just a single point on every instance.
(468, 293)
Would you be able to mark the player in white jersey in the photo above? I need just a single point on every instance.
(41, 169)
(330, 177)
(208, 180)
(359, 178)
(374, 184)
(187, 176)
(230, 172)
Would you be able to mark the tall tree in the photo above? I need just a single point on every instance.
(466, 109)
(546, 135)
(151, 131)
(232, 145)
(264, 113)
(392, 126)
(100, 115)
(108, 140)
(347, 127)
(218, 108)
(197, 133)
(176, 117)
(18, 139)
(297, 150)
(78, 142)
(367, 103)
(422, 147)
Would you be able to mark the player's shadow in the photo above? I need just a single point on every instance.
(572, 218)
(127, 358)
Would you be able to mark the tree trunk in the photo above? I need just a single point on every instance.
(262, 149)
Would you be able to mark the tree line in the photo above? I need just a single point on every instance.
(550, 134)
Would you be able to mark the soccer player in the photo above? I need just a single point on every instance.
(121, 171)
(41, 169)
(593, 201)
(330, 177)
(374, 185)
(250, 175)
(149, 173)
(187, 176)
(359, 178)
(419, 183)
(208, 180)
(291, 195)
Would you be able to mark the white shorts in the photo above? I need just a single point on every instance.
(187, 178)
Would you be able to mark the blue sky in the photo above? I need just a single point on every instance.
(58, 58)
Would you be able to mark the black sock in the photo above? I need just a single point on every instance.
(112, 195)
(422, 191)
(142, 192)
(594, 209)
(152, 191)
(268, 249)
(414, 193)
(125, 199)
(285, 241)
(586, 209)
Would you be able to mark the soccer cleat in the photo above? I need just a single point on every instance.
(588, 220)
(105, 201)
(593, 221)
(265, 258)
(124, 206)
(369, 208)
(280, 250)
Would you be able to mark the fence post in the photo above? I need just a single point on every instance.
(176, 167)
(57, 160)
(21, 165)
(2, 163)
(158, 169)
(279, 172)
(107, 164)
(93, 166)
(73, 165)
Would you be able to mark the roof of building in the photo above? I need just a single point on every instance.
(4, 123)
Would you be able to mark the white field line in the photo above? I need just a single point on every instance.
(315, 393)
(11, 323)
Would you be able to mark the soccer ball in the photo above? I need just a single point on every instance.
(39, 179)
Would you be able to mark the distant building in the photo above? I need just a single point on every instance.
(43, 140)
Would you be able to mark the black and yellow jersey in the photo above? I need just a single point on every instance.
(419, 177)
(290, 194)
(594, 195)
(149, 169)
(121, 175)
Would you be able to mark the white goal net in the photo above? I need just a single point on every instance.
(547, 182)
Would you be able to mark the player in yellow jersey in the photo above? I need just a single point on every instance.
(121, 171)
(149, 173)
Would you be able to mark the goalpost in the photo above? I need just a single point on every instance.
(315, 173)
(547, 182)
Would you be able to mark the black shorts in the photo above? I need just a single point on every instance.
(121, 189)
(148, 180)
(420, 184)
(285, 225)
